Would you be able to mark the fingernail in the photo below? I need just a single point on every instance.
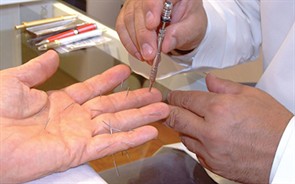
(146, 50)
(149, 17)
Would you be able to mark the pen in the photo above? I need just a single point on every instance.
(164, 20)
(45, 21)
(78, 30)
(71, 39)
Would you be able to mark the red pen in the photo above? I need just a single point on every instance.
(79, 29)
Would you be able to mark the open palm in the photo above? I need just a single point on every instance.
(45, 132)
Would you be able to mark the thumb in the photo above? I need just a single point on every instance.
(38, 70)
(218, 85)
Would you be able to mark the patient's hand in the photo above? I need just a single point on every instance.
(45, 132)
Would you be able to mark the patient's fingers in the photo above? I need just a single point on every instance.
(98, 85)
(121, 101)
(37, 70)
(129, 119)
(107, 144)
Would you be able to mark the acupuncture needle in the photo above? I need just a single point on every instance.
(165, 19)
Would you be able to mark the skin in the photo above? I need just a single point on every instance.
(138, 21)
(233, 129)
(46, 132)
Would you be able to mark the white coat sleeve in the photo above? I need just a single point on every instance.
(284, 162)
(233, 35)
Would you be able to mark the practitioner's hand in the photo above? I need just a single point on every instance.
(138, 21)
(233, 129)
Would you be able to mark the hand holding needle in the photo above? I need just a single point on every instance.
(164, 19)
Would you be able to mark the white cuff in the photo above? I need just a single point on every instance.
(230, 39)
(283, 168)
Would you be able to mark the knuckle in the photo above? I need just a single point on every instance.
(217, 109)
(177, 121)
(141, 31)
(220, 105)
(128, 17)
(137, 4)
(212, 137)
(186, 101)
(173, 117)
(129, 12)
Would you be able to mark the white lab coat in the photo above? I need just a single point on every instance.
(236, 30)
